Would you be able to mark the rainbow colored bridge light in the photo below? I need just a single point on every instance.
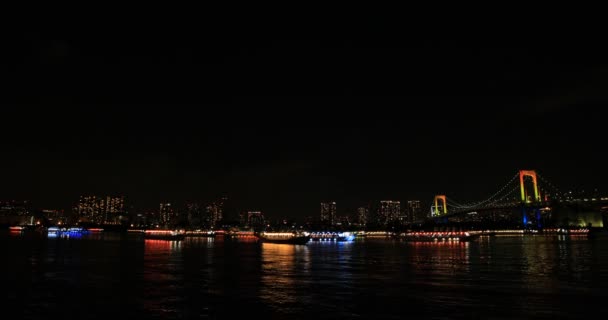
(531, 174)
(445, 204)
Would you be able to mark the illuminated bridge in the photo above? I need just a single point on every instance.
(527, 199)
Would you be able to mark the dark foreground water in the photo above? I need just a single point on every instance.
(109, 276)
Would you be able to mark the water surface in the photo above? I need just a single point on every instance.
(107, 275)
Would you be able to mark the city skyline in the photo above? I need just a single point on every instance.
(102, 205)
(273, 120)
(115, 210)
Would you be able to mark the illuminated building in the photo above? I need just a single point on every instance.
(388, 211)
(255, 220)
(215, 212)
(328, 213)
(414, 211)
(166, 214)
(90, 209)
(106, 210)
(403, 217)
(54, 217)
(15, 213)
(14, 208)
(362, 215)
(114, 207)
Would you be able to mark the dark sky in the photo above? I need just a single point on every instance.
(281, 115)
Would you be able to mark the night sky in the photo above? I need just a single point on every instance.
(282, 115)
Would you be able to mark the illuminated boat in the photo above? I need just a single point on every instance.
(164, 234)
(570, 231)
(73, 232)
(345, 236)
(241, 235)
(54, 231)
(283, 237)
(332, 236)
(438, 236)
(76, 230)
(200, 233)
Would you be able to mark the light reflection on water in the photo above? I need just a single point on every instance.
(162, 276)
(278, 273)
(282, 266)
(495, 277)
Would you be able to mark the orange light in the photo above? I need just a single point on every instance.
(159, 231)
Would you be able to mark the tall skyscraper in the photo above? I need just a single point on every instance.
(114, 207)
(166, 213)
(414, 211)
(328, 213)
(215, 212)
(362, 215)
(388, 212)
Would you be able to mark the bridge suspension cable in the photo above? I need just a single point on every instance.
(513, 193)
(556, 189)
(457, 205)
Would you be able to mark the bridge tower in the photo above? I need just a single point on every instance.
(445, 204)
(531, 174)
